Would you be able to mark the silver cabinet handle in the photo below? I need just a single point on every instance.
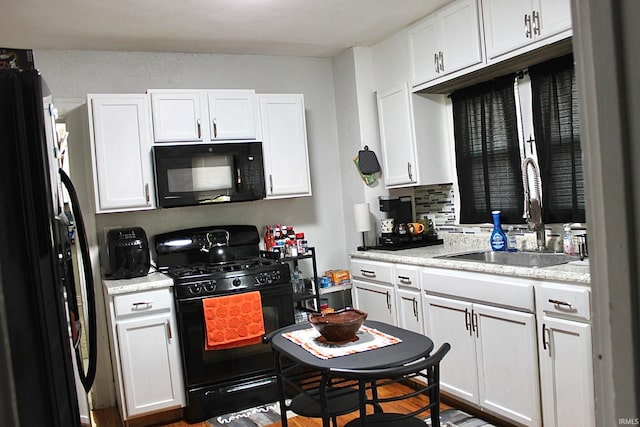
(142, 305)
(415, 308)
(561, 303)
(368, 273)
(169, 333)
(388, 300)
(405, 280)
(441, 55)
(474, 324)
(435, 63)
(271, 183)
(146, 192)
(215, 128)
(199, 129)
(527, 26)
(536, 23)
(545, 337)
(467, 320)
(409, 171)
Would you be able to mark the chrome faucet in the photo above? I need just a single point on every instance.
(533, 204)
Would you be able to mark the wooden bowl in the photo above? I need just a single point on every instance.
(338, 326)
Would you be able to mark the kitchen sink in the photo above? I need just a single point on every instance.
(518, 259)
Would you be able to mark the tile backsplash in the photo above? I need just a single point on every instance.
(436, 201)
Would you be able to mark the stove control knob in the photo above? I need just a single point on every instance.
(237, 282)
(262, 278)
(195, 289)
(210, 285)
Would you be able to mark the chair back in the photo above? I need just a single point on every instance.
(425, 376)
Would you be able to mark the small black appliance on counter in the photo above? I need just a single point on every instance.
(128, 250)
(401, 210)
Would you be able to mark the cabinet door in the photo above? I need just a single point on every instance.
(460, 36)
(397, 137)
(449, 320)
(506, 25)
(554, 17)
(425, 45)
(232, 114)
(566, 373)
(121, 151)
(507, 363)
(177, 116)
(376, 300)
(284, 142)
(151, 370)
(410, 310)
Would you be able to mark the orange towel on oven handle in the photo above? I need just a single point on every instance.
(233, 320)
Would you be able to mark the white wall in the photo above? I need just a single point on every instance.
(73, 74)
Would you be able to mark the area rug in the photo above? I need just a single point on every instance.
(268, 414)
(258, 416)
(458, 418)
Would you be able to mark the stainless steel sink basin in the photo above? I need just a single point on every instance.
(519, 259)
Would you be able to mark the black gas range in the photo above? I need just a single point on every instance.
(210, 262)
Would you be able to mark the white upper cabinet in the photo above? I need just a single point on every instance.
(203, 115)
(414, 138)
(177, 116)
(120, 133)
(397, 136)
(284, 143)
(232, 114)
(512, 27)
(445, 42)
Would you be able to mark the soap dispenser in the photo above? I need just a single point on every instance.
(498, 238)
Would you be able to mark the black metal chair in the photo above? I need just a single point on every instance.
(426, 375)
(311, 394)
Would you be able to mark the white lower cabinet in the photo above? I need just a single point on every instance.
(145, 345)
(408, 300)
(493, 359)
(565, 354)
(375, 299)
(373, 289)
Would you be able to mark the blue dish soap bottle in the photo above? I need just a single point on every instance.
(498, 238)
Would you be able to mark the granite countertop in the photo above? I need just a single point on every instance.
(153, 280)
(424, 257)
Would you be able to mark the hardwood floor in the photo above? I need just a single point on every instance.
(111, 418)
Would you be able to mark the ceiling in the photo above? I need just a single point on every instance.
(315, 28)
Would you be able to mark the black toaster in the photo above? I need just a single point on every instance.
(128, 250)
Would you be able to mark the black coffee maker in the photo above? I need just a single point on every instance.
(401, 210)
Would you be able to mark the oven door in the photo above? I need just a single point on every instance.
(223, 381)
(215, 366)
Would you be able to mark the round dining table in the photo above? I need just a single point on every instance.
(410, 347)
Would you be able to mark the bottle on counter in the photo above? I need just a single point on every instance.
(567, 240)
(498, 239)
(511, 240)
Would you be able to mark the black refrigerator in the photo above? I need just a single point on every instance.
(39, 320)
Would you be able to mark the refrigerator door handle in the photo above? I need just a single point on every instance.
(88, 377)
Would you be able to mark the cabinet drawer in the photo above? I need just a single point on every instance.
(143, 302)
(372, 270)
(564, 300)
(407, 275)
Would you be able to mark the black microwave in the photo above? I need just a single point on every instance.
(189, 175)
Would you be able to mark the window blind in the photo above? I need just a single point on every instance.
(557, 132)
(487, 152)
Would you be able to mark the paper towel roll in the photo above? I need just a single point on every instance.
(362, 217)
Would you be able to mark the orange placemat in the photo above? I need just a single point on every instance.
(314, 343)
